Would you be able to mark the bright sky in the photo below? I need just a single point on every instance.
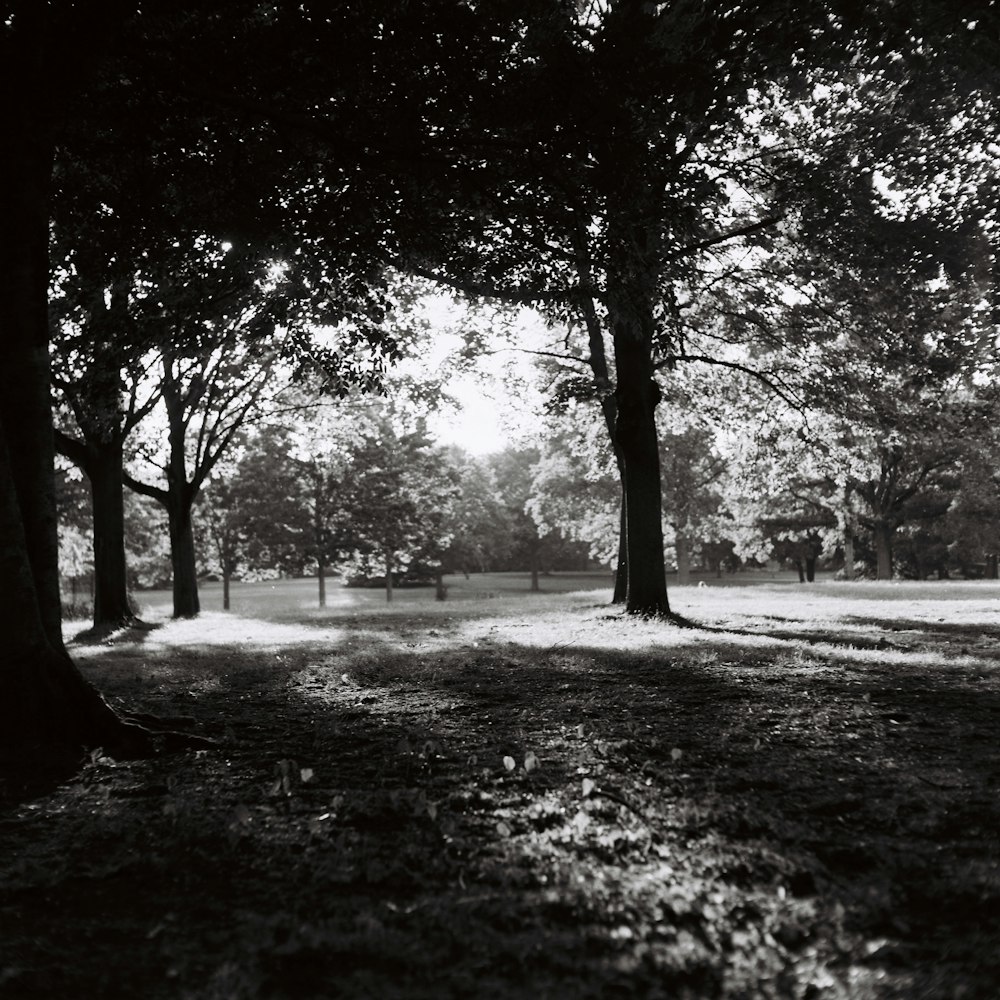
(497, 404)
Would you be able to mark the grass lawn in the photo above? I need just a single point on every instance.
(509, 795)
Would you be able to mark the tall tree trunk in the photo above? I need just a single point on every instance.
(226, 575)
(104, 469)
(388, 575)
(849, 554)
(598, 361)
(25, 408)
(535, 588)
(810, 569)
(883, 550)
(683, 546)
(621, 571)
(637, 396)
(992, 571)
(43, 697)
(182, 560)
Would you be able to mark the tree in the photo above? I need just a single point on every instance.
(479, 519)
(398, 492)
(206, 400)
(43, 695)
(92, 372)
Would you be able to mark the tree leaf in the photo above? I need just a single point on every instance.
(509, 763)
(588, 787)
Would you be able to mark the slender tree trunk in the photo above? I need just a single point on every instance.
(883, 550)
(810, 569)
(321, 579)
(104, 469)
(598, 361)
(621, 571)
(440, 590)
(182, 560)
(388, 575)
(992, 567)
(637, 396)
(801, 570)
(225, 586)
(535, 588)
(683, 546)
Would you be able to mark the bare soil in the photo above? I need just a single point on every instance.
(796, 797)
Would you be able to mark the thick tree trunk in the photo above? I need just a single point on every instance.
(183, 564)
(43, 697)
(849, 555)
(683, 546)
(810, 569)
(104, 469)
(25, 409)
(883, 551)
(635, 433)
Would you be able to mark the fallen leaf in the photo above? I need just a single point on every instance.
(588, 787)
(676, 753)
(530, 762)
(503, 829)
(508, 762)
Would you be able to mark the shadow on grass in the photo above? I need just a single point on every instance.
(759, 821)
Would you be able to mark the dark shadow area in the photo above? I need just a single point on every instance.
(755, 820)
(107, 635)
(959, 630)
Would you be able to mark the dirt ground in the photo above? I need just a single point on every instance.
(513, 797)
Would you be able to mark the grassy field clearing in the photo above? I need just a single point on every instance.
(531, 795)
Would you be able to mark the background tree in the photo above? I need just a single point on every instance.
(398, 492)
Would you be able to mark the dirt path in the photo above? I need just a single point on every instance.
(793, 801)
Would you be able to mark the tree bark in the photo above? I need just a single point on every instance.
(883, 550)
(388, 576)
(849, 555)
(637, 396)
(25, 409)
(182, 559)
(810, 569)
(43, 697)
(101, 461)
(111, 601)
(321, 579)
(683, 546)
(620, 594)
(225, 587)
